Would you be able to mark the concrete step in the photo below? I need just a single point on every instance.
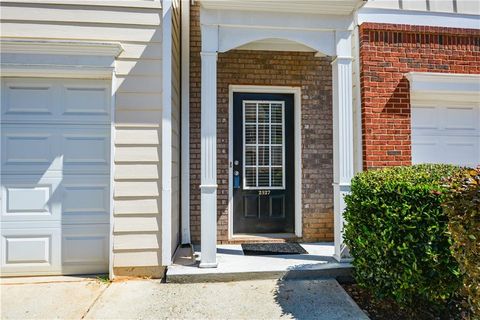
(341, 271)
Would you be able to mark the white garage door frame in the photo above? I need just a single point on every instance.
(444, 90)
(77, 60)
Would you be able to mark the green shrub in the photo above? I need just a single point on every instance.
(462, 206)
(397, 234)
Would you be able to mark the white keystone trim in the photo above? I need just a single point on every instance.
(297, 148)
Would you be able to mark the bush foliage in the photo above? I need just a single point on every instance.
(397, 233)
(462, 205)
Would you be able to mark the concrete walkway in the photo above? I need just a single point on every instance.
(148, 299)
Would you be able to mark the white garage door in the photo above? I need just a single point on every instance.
(55, 166)
(446, 134)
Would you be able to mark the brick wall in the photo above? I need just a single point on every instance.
(298, 69)
(387, 53)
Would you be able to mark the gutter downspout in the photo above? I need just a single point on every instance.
(185, 122)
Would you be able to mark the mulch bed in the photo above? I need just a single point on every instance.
(389, 310)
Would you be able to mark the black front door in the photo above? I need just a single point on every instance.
(263, 163)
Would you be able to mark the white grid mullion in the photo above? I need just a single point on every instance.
(256, 142)
(283, 145)
(268, 125)
(270, 145)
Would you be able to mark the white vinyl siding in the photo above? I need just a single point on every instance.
(450, 6)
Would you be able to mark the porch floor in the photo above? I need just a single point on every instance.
(234, 266)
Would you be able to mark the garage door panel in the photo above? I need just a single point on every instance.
(84, 100)
(30, 198)
(56, 101)
(38, 149)
(461, 118)
(27, 148)
(86, 199)
(26, 99)
(424, 117)
(85, 148)
(30, 250)
(462, 150)
(85, 244)
(424, 148)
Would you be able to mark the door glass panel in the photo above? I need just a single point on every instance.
(264, 145)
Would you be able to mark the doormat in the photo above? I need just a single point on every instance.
(264, 249)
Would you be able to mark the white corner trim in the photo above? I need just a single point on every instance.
(59, 47)
(445, 86)
(418, 18)
(166, 148)
(185, 123)
(296, 91)
(56, 71)
(111, 254)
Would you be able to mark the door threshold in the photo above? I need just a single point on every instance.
(263, 237)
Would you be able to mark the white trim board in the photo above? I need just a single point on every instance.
(444, 86)
(166, 148)
(60, 47)
(296, 91)
(418, 18)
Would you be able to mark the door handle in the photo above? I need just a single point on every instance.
(236, 179)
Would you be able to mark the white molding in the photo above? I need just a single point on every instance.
(444, 86)
(231, 37)
(418, 18)
(276, 45)
(337, 7)
(185, 122)
(166, 147)
(276, 20)
(296, 91)
(60, 47)
(56, 71)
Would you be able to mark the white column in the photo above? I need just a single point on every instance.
(208, 161)
(343, 143)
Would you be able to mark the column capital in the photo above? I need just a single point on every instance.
(340, 59)
(208, 54)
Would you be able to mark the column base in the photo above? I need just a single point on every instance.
(208, 265)
(342, 259)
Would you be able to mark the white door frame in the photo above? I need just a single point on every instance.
(296, 91)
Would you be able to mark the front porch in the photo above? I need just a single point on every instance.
(233, 265)
(285, 69)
